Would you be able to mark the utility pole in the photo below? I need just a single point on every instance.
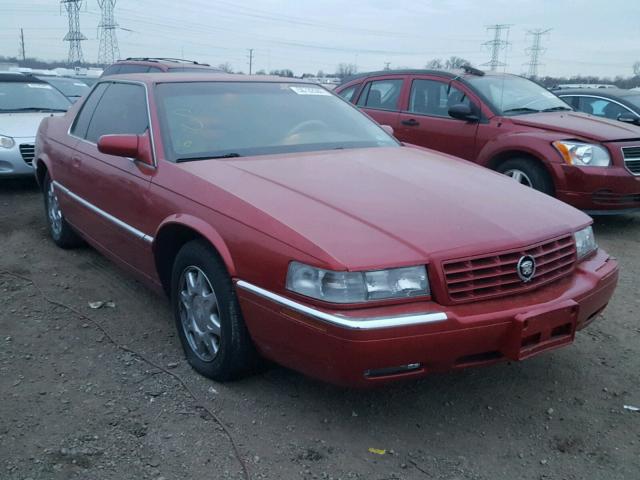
(535, 51)
(108, 51)
(497, 45)
(22, 54)
(386, 65)
(74, 36)
(250, 61)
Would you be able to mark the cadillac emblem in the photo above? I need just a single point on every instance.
(526, 268)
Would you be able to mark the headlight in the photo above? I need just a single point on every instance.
(585, 242)
(6, 142)
(356, 287)
(583, 154)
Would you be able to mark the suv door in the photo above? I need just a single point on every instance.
(380, 99)
(113, 191)
(425, 121)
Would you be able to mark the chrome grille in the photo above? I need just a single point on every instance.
(487, 276)
(27, 150)
(632, 159)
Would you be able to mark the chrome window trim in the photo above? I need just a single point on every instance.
(125, 226)
(146, 99)
(354, 323)
(599, 98)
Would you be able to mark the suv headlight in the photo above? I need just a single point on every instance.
(6, 142)
(356, 287)
(585, 242)
(583, 154)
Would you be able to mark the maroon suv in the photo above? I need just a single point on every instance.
(157, 65)
(512, 125)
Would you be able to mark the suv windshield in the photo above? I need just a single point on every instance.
(26, 96)
(512, 95)
(203, 120)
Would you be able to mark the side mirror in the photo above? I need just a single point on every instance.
(136, 147)
(388, 129)
(462, 111)
(629, 117)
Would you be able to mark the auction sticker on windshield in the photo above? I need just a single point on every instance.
(39, 85)
(309, 90)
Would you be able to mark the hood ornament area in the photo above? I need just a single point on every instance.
(526, 268)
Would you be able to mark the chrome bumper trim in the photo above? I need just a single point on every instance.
(125, 226)
(359, 323)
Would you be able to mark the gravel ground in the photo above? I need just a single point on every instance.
(74, 405)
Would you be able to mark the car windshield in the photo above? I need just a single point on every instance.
(202, 120)
(633, 99)
(512, 95)
(70, 87)
(26, 96)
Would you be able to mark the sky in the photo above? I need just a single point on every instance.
(587, 37)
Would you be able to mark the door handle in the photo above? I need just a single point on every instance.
(75, 161)
(412, 122)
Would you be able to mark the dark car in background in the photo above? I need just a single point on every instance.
(157, 65)
(512, 125)
(72, 88)
(613, 103)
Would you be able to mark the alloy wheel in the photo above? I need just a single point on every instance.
(53, 210)
(519, 176)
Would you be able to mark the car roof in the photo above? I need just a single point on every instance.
(417, 71)
(21, 78)
(179, 77)
(598, 92)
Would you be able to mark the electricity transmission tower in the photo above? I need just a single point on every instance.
(74, 36)
(108, 51)
(497, 45)
(535, 50)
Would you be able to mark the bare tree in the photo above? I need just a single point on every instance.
(346, 70)
(226, 67)
(435, 64)
(453, 63)
(636, 69)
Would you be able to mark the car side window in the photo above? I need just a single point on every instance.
(122, 110)
(571, 101)
(129, 68)
(381, 94)
(112, 70)
(601, 107)
(348, 93)
(81, 123)
(431, 97)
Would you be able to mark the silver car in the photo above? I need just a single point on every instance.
(24, 101)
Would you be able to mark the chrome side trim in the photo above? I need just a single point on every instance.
(363, 323)
(125, 226)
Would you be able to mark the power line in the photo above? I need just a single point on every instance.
(535, 51)
(497, 45)
(108, 51)
(22, 53)
(74, 36)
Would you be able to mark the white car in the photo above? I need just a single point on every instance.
(24, 101)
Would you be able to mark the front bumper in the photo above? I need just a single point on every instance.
(446, 338)
(16, 161)
(599, 190)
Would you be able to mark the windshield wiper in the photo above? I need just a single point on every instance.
(521, 110)
(33, 109)
(557, 109)
(193, 159)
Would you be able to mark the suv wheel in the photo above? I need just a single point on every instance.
(61, 232)
(213, 334)
(528, 173)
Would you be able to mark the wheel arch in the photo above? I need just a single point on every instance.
(176, 231)
(499, 158)
(41, 167)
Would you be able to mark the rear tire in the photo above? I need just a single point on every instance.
(212, 331)
(528, 173)
(61, 232)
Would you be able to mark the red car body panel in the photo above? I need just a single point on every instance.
(360, 209)
(597, 190)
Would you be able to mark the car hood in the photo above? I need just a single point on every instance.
(22, 125)
(580, 125)
(379, 207)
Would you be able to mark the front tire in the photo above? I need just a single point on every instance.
(212, 331)
(528, 173)
(61, 232)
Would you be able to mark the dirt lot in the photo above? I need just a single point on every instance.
(73, 405)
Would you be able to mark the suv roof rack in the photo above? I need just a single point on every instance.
(472, 70)
(166, 59)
